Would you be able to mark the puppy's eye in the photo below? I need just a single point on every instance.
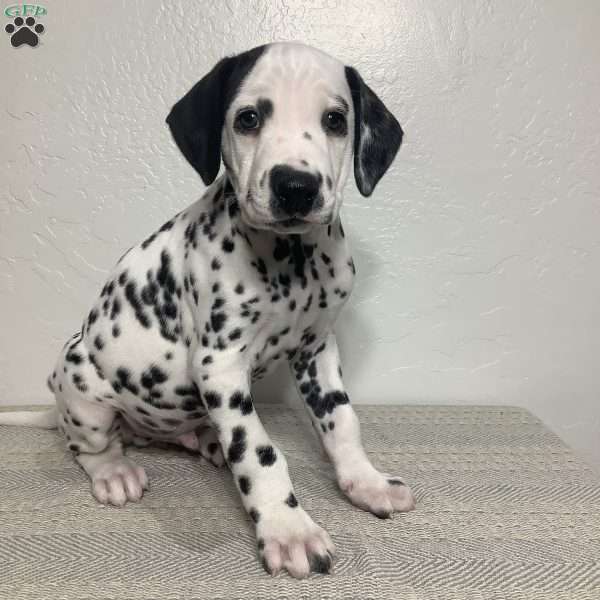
(335, 122)
(247, 120)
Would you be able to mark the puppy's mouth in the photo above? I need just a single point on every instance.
(287, 226)
(293, 222)
(258, 218)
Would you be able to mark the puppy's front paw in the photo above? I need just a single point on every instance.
(118, 482)
(289, 539)
(377, 492)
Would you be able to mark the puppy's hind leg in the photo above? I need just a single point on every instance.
(115, 478)
(94, 435)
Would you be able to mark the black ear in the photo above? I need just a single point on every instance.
(377, 134)
(196, 121)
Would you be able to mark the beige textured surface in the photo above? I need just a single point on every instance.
(505, 511)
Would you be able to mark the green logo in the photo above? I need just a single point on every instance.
(25, 10)
(24, 29)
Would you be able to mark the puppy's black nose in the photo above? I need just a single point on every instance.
(293, 192)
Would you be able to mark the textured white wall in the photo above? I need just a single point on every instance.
(478, 256)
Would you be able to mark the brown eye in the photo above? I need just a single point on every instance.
(247, 120)
(335, 122)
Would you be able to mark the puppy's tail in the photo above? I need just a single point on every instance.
(47, 419)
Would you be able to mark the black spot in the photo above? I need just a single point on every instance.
(227, 245)
(148, 241)
(116, 308)
(265, 108)
(239, 288)
(168, 225)
(116, 331)
(306, 307)
(135, 302)
(291, 500)
(189, 405)
(79, 383)
(292, 305)
(207, 360)
(217, 320)
(218, 303)
(244, 484)
(124, 381)
(237, 448)
(331, 426)
(98, 342)
(164, 275)
(74, 447)
(254, 515)
(320, 564)
(186, 390)
(320, 404)
(158, 374)
(307, 135)
(261, 267)
(215, 265)
(233, 207)
(235, 334)
(395, 482)
(266, 455)
(76, 422)
(242, 402)
(74, 357)
(212, 447)
(212, 399)
(260, 544)
(92, 317)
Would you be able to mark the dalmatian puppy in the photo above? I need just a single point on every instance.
(253, 273)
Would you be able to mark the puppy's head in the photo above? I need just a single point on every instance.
(289, 122)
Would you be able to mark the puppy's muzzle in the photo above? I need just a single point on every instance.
(294, 194)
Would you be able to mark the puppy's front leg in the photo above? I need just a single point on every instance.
(318, 377)
(286, 536)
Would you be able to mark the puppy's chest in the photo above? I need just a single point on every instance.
(267, 304)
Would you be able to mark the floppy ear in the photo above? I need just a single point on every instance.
(377, 134)
(196, 121)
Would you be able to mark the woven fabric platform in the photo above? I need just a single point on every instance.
(505, 511)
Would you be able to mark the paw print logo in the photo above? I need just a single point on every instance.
(24, 32)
